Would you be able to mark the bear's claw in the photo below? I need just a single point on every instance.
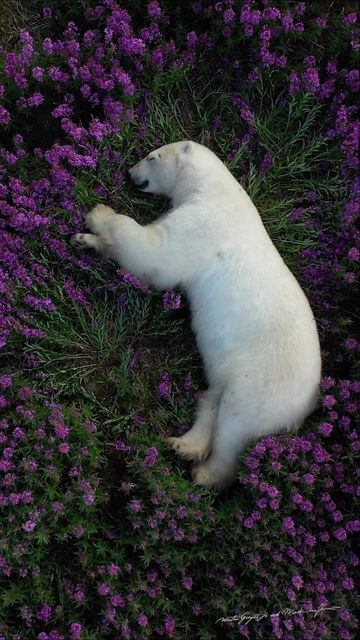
(77, 241)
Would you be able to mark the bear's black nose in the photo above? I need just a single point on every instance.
(140, 184)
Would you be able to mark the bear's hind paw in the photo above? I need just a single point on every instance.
(187, 449)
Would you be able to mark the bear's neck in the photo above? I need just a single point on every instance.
(192, 185)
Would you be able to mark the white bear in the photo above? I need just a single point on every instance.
(253, 324)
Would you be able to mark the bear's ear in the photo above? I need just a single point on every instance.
(187, 147)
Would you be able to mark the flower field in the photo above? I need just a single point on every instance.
(102, 533)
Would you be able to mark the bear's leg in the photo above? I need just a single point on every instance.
(149, 252)
(196, 443)
(96, 219)
(236, 424)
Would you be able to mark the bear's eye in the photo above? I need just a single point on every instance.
(150, 158)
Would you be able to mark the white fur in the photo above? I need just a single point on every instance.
(254, 326)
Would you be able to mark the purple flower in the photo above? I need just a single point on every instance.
(45, 613)
(29, 526)
(248, 523)
(89, 499)
(351, 344)
(58, 507)
(154, 9)
(311, 80)
(103, 589)
(117, 601)
(64, 448)
(4, 115)
(353, 526)
(142, 620)
(325, 428)
(76, 630)
(191, 39)
(187, 583)
(248, 32)
(171, 301)
(62, 431)
(327, 383)
(79, 597)
(320, 454)
(229, 582)
(308, 478)
(135, 505)
(294, 83)
(266, 163)
(75, 294)
(351, 18)
(297, 581)
(6, 381)
(328, 401)
(128, 278)
(340, 534)
(272, 492)
(164, 387)
(348, 584)
(151, 457)
(229, 16)
(169, 625)
(354, 254)
(288, 525)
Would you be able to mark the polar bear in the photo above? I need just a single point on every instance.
(253, 324)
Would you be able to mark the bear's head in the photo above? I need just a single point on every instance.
(159, 171)
(175, 169)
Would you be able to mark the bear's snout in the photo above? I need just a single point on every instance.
(141, 185)
(136, 180)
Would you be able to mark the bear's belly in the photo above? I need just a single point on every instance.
(259, 330)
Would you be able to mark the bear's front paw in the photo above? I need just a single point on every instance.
(78, 241)
(86, 241)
